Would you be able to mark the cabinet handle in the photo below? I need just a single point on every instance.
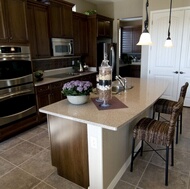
(181, 72)
(176, 72)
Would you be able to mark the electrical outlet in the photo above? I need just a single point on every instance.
(94, 142)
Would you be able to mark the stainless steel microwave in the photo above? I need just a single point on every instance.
(62, 47)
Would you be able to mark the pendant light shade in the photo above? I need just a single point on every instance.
(145, 38)
(168, 42)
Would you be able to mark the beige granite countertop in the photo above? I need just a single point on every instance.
(139, 98)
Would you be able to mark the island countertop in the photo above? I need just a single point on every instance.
(143, 95)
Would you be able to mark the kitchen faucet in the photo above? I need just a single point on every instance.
(123, 82)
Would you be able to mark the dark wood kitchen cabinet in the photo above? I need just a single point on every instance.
(100, 28)
(102, 25)
(80, 34)
(13, 24)
(48, 94)
(105, 26)
(61, 19)
(37, 18)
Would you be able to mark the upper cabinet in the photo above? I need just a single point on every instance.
(38, 30)
(104, 27)
(80, 34)
(61, 19)
(13, 25)
(99, 27)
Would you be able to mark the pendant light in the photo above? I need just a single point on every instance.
(145, 38)
(168, 42)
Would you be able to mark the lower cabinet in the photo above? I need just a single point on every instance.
(50, 93)
(130, 71)
(47, 94)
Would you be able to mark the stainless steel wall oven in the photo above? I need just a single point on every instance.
(17, 96)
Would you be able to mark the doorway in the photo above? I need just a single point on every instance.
(130, 30)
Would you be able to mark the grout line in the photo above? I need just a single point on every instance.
(145, 170)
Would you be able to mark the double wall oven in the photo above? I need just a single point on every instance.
(17, 96)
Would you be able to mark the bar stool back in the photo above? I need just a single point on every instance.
(164, 106)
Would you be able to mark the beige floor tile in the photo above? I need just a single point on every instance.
(123, 185)
(21, 153)
(154, 178)
(43, 185)
(18, 179)
(39, 165)
(41, 139)
(138, 169)
(5, 166)
(60, 183)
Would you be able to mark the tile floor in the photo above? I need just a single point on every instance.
(25, 163)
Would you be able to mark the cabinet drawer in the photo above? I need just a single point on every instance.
(57, 85)
(43, 88)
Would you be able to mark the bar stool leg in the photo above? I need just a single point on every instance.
(158, 115)
(132, 154)
(172, 153)
(180, 123)
(142, 144)
(166, 169)
(177, 130)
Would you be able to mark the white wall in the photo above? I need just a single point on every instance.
(82, 6)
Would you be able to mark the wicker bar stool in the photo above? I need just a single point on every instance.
(157, 132)
(164, 106)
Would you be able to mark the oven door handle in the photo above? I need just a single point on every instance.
(10, 95)
(15, 57)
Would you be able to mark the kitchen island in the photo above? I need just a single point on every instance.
(92, 147)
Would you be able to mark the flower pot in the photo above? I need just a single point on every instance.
(78, 99)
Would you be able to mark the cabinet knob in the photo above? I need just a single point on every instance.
(181, 72)
(10, 38)
(176, 72)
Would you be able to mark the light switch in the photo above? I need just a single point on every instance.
(94, 142)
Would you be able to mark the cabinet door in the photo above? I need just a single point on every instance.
(42, 99)
(60, 20)
(80, 34)
(38, 31)
(32, 32)
(84, 36)
(164, 62)
(56, 20)
(76, 35)
(56, 94)
(42, 34)
(67, 21)
(3, 25)
(15, 18)
(105, 28)
(108, 28)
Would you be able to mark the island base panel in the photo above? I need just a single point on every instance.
(69, 149)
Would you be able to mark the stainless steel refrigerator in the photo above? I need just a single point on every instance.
(110, 49)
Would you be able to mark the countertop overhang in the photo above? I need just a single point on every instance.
(141, 97)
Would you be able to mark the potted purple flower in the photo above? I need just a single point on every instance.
(77, 92)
